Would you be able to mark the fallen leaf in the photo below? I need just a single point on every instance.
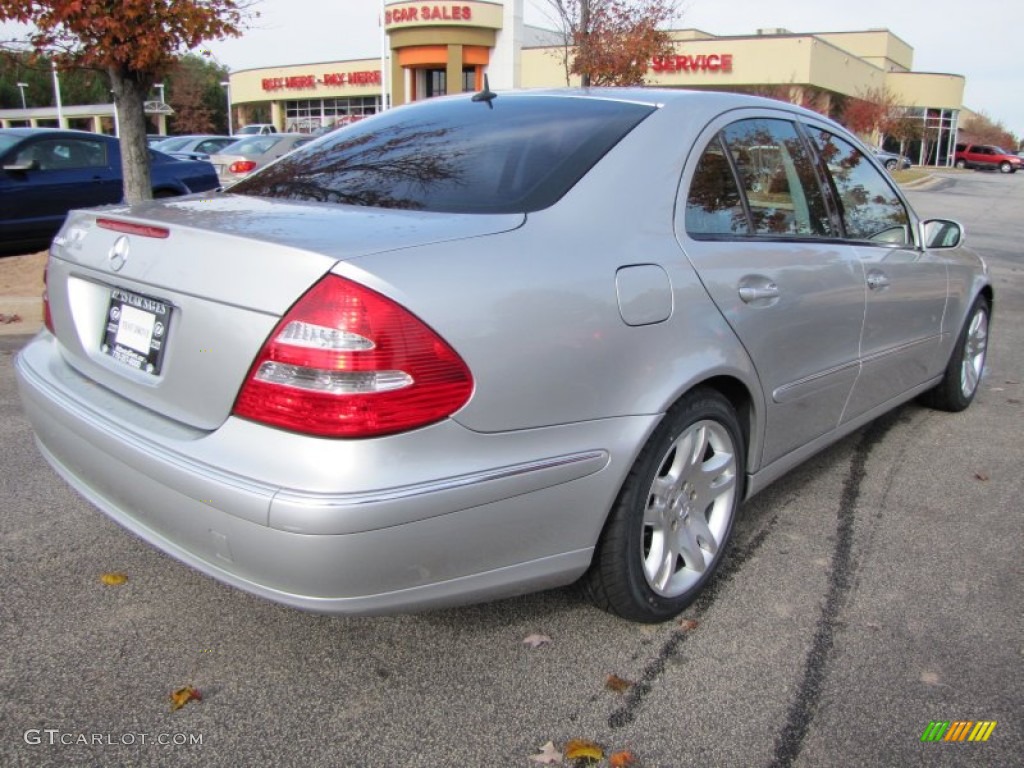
(621, 759)
(578, 749)
(114, 579)
(548, 755)
(536, 641)
(981, 476)
(687, 625)
(183, 696)
(617, 684)
(1013, 400)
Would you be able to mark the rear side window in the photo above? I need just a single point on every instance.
(766, 164)
(869, 206)
(777, 175)
(520, 153)
(713, 206)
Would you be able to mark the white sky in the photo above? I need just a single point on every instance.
(976, 39)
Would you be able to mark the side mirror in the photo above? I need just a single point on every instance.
(31, 165)
(941, 233)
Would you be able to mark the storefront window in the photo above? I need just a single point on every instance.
(308, 115)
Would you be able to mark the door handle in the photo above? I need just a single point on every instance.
(877, 280)
(749, 293)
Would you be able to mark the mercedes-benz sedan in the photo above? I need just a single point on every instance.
(479, 346)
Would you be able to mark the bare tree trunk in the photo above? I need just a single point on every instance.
(129, 99)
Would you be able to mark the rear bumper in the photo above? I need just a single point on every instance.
(434, 517)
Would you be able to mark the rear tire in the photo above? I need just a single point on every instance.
(962, 378)
(890, 165)
(961, 164)
(672, 521)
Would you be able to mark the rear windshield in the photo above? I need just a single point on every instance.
(520, 154)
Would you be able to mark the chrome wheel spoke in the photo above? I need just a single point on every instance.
(714, 477)
(701, 531)
(661, 562)
(690, 548)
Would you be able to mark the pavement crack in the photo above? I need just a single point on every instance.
(801, 712)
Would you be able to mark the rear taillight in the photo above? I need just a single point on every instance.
(346, 361)
(241, 166)
(47, 317)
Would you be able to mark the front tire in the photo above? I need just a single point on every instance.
(672, 521)
(960, 382)
(1005, 167)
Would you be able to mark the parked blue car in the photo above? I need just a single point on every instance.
(47, 172)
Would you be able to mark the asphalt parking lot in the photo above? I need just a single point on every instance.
(873, 591)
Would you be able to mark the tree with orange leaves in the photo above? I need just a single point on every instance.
(135, 42)
(611, 42)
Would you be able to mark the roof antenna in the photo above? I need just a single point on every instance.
(486, 94)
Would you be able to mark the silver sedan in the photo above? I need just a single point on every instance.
(236, 161)
(479, 346)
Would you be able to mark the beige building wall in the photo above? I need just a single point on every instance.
(927, 89)
(796, 60)
(876, 46)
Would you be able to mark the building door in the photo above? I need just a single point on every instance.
(435, 83)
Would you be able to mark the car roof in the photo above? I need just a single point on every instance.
(51, 132)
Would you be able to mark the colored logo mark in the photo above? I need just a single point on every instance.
(958, 730)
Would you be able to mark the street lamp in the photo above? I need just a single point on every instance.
(226, 85)
(161, 87)
(22, 87)
(56, 93)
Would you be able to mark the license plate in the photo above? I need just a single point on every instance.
(136, 331)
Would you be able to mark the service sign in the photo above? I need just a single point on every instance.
(700, 63)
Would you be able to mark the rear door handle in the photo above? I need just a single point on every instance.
(749, 293)
(877, 280)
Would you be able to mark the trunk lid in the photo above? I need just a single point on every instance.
(169, 303)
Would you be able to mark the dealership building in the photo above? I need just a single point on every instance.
(437, 48)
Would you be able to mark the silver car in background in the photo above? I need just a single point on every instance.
(236, 161)
(474, 347)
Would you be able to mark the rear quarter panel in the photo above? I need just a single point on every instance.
(534, 311)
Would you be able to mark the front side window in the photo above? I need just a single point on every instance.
(515, 154)
(868, 205)
(64, 154)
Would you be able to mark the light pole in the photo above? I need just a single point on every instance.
(22, 87)
(226, 85)
(56, 91)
